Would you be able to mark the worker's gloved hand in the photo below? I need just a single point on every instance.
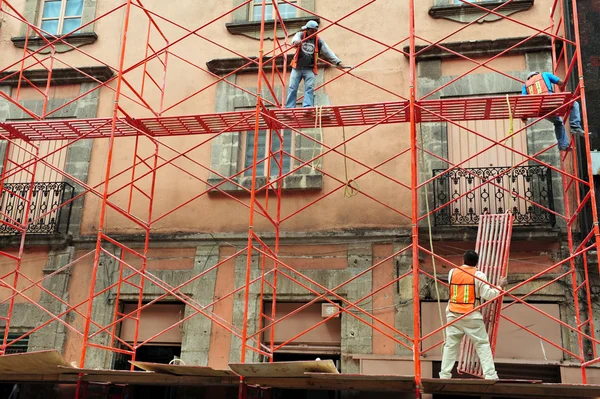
(339, 65)
(503, 282)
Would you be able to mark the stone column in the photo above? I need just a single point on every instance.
(238, 308)
(541, 135)
(103, 308)
(54, 335)
(404, 315)
(357, 337)
(78, 159)
(4, 115)
(197, 330)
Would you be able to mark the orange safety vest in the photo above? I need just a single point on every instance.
(316, 55)
(462, 290)
(537, 85)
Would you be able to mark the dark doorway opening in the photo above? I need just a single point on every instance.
(153, 354)
(305, 393)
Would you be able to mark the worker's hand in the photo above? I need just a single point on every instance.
(524, 120)
(503, 282)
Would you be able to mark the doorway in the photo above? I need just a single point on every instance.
(305, 393)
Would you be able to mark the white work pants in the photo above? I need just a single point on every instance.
(475, 330)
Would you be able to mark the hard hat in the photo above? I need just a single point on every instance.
(311, 25)
(532, 74)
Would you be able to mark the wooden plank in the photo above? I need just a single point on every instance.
(155, 379)
(74, 370)
(283, 369)
(42, 378)
(198, 371)
(337, 382)
(527, 389)
(43, 362)
(360, 377)
(121, 377)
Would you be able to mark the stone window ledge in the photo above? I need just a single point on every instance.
(251, 29)
(225, 66)
(465, 13)
(74, 39)
(300, 182)
(60, 76)
(481, 48)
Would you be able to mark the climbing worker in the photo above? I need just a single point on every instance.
(542, 83)
(304, 64)
(467, 286)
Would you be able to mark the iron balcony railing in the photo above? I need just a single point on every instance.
(46, 216)
(514, 190)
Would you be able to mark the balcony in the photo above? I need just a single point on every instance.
(511, 191)
(45, 215)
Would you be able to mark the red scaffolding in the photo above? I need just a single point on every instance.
(139, 80)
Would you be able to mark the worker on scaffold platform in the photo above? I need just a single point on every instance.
(543, 83)
(467, 287)
(304, 64)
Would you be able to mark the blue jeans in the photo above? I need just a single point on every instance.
(309, 87)
(559, 126)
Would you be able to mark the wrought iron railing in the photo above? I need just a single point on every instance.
(46, 216)
(513, 190)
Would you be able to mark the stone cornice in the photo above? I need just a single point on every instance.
(60, 76)
(224, 66)
(483, 48)
(466, 13)
(251, 29)
(74, 39)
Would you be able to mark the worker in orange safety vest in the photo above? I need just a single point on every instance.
(467, 287)
(543, 83)
(304, 64)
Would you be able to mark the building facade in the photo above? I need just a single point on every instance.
(199, 210)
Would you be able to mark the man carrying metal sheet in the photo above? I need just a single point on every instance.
(543, 83)
(467, 287)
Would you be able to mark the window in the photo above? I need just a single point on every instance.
(18, 347)
(232, 154)
(263, 139)
(286, 10)
(458, 11)
(62, 16)
(322, 340)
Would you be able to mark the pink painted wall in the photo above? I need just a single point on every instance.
(30, 271)
(383, 302)
(220, 338)
(222, 214)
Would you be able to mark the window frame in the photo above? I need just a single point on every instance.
(33, 12)
(61, 16)
(256, 4)
(457, 11)
(21, 346)
(273, 162)
(227, 149)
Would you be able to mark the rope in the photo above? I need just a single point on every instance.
(351, 188)
(435, 279)
(510, 131)
(177, 361)
(319, 126)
